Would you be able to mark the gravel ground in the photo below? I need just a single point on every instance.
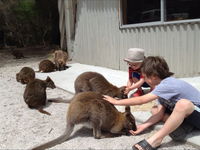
(22, 128)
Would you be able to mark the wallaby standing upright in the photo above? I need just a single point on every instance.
(46, 66)
(89, 107)
(35, 93)
(93, 81)
(25, 75)
(60, 59)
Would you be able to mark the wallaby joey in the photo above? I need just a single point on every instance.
(60, 59)
(35, 93)
(93, 81)
(46, 66)
(25, 75)
(89, 107)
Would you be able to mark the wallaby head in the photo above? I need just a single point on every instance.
(25, 75)
(129, 123)
(121, 93)
(50, 83)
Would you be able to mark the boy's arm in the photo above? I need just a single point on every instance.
(137, 84)
(151, 121)
(133, 100)
(129, 83)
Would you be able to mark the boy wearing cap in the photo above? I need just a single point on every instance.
(134, 59)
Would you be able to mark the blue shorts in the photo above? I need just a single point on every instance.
(137, 75)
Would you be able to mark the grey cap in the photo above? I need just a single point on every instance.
(135, 55)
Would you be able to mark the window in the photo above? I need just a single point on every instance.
(182, 9)
(158, 11)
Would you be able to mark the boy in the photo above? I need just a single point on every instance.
(134, 59)
(176, 97)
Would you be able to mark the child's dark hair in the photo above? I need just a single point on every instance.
(156, 66)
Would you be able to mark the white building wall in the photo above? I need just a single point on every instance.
(100, 41)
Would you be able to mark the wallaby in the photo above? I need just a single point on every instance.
(35, 93)
(46, 66)
(17, 54)
(60, 59)
(89, 107)
(93, 81)
(25, 75)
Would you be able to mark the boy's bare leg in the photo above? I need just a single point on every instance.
(182, 109)
(154, 110)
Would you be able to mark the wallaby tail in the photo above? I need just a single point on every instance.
(43, 111)
(56, 141)
(60, 100)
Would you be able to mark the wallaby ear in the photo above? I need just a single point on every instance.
(48, 79)
(127, 109)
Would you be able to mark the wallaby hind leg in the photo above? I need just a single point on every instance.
(43, 111)
(96, 129)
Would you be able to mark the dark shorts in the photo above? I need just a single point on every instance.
(193, 119)
(137, 75)
(190, 123)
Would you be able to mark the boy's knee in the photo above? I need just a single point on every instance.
(184, 105)
(154, 109)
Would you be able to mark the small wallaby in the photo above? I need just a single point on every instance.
(60, 59)
(35, 93)
(89, 107)
(46, 66)
(93, 81)
(25, 75)
(17, 54)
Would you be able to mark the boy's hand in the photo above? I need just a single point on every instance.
(127, 90)
(110, 99)
(140, 128)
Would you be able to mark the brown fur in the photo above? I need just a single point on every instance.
(93, 81)
(46, 66)
(35, 93)
(17, 54)
(89, 107)
(60, 59)
(25, 75)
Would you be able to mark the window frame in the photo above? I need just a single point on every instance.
(155, 23)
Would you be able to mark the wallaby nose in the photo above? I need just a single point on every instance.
(124, 96)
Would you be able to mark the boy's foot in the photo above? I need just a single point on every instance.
(143, 145)
(139, 92)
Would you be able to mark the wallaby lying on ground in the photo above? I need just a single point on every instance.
(93, 81)
(25, 75)
(35, 93)
(89, 107)
(46, 66)
(17, 54)
(60, 59)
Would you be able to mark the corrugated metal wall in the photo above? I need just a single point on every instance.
(100, 41)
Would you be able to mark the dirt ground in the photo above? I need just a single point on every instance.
(22, 128)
